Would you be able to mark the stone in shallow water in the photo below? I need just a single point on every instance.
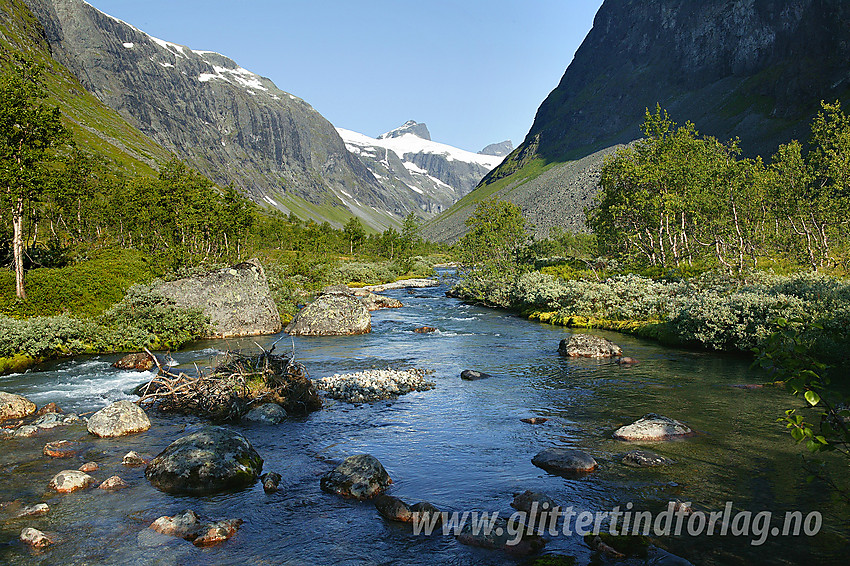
(67, 481)
(564, 461)
(35, 538)
(393, 509)
(473, 375)
(184, 525)
(211, 460)
(588, 346)
(61, 449)
(118, 419)
(268, 413)
(533, 503)
(645, 459)
(113, 483)
(360, 476)
(502, 537)
(14, 406)
(271, 482)
(218, 532)
(652, 427)
(133, 458)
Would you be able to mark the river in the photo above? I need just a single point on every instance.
(460, 446)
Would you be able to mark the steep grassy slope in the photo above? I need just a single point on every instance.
(93, 124)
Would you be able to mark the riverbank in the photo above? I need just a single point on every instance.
(712, 311)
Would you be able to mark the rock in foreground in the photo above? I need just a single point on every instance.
(374, 385)
(68, 481)
(652, 427)
(331, 315)
(564, 461)
(209, 461)
(361, 477)
(187, 525)
(14, 406)
(588, 346)
(118, 419)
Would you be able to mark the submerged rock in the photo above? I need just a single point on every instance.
(133, 458)
(535, 420)
(564, 461)
(472, 375)
(533, 503)
(331, 315)
(644, 459)
(360, 476)
(68, 481)
(393, 509)
(271, 482)
(652, 427)
(425, 511)
(508, 535)
(588, 346)
(119, 419)
(89, 467)
(424, 330)
(268, 413)
(209, 461)
(61, 449)
(113, 483)
(14, 406)
(141, 361)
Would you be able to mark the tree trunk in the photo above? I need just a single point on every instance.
(18, 247)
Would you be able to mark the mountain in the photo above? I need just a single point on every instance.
(753, 69)
(430, 175)
(231, 124)
(500, 149)
(93, 124)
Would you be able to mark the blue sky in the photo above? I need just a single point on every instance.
(474, 71)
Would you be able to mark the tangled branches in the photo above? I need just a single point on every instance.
(237, 384)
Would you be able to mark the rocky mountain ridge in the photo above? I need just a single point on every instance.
(406, 160)
(231, 124)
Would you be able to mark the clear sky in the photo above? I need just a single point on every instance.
(475, 71)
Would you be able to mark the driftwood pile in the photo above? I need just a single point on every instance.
(238, 383)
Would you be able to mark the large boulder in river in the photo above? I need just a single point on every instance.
(361, 476)
(588, 346)
(209, 461)
(118, 419)
(14, 406)
(332, 315)
(652, 427)
(566, 461)
(237, 299)
(140, 361)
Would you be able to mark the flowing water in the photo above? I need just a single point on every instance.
(460, 446)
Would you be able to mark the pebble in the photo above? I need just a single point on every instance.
(374, 385)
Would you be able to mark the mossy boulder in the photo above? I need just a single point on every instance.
(332, 315)
(209, 461)
(118, 419)
(360, 477)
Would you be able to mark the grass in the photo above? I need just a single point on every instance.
(83, 290)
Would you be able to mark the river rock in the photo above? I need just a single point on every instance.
(374, 302)
(588, 346)
(118, 419)
(564, 461)
(49, 420)
(426, 510)
(61, 449)
(424, 330)
(331, 315)
(627, 361)
(14, 406)
(268, 413)
(236, 299)
(271, 482)
(35, 538)
(501, 536)
(89, 467)
(67, 481)
(533, 503)
(652, 427)
(36, 510)
(183, 525)
(393, 509)
(535, 420)
(113, 483)
(217, 532)
(133, 458)
(48, 408)
(472, 375)
(209, 461)
(26, 431)
(360, 476)
(141, 361)
(644, 459)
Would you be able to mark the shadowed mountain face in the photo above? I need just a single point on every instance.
(231, 124)
(755, 69)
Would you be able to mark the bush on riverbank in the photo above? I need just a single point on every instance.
(142, 319)
(713, 311)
